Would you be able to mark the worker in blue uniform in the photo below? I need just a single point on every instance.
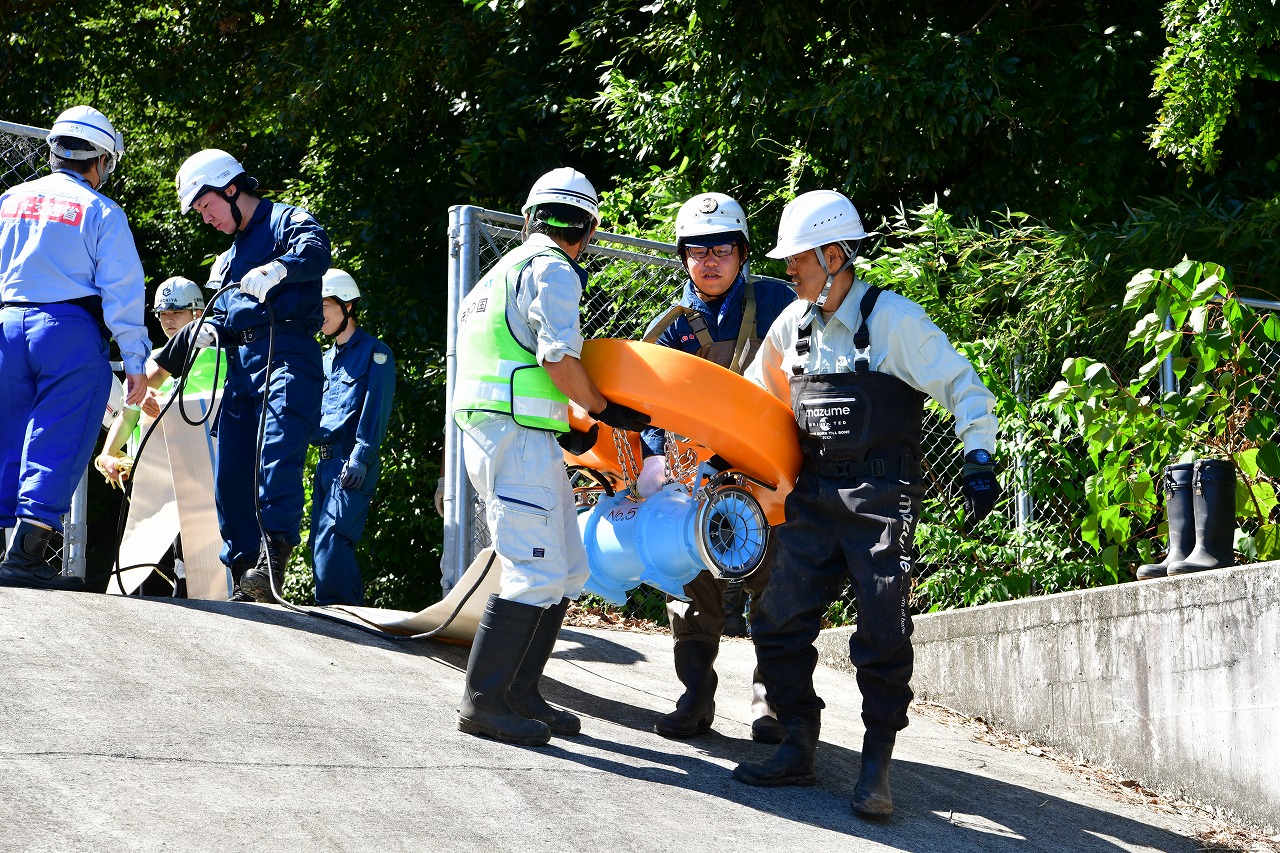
(722, 316)
(360, 380)
(69, 275)
(279, 255)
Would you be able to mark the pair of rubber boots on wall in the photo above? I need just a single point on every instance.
(1200, 500)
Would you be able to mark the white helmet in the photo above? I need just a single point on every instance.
(711, 214)
(210, 169)
(815, 219)
(564, 186)
(178, 293)
(87, 124)
(340, 285)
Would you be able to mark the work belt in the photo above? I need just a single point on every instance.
(903, 468)
(92, 304)
(283, 327)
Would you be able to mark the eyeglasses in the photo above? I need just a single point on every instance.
(699, 253)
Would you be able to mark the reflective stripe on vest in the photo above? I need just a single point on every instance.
(497, 373)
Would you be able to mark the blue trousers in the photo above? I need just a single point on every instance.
(293, 410)
(54, 383)
(338, 517)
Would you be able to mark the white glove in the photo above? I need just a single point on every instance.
(206, 337)
(653, 474)
(258, 281)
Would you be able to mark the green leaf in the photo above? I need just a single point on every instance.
(1267, 540)
(1262, 426)
(1270, 327)
(1269, 459)
(1247, 462)
(1139, 288)
(1090, 532)
(1059, 393)
(1206, 290)
(1098, 375)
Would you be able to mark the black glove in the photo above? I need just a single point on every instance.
(577, 442)
(619, 416)
(981, 491)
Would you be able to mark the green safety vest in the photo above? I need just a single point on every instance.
(497, 373)
(199, 381)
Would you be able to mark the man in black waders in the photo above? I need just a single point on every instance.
(722, 317)
(856, 364)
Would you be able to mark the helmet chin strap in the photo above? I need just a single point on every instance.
(348, 308)
(235, 208)
(849, 258)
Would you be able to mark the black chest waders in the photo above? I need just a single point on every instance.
(851, 518)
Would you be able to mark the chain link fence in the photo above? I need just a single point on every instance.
(23, 157)
(634, 280)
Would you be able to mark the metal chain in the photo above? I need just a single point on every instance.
(680, 464)
(626, 460)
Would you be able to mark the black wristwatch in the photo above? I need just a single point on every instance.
(979, 457)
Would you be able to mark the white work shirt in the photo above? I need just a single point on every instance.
(60, 239)
(543, 315)
(905, 343)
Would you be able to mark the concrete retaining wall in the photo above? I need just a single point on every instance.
(1174, 682)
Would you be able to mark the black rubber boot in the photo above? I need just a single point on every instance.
(765, 727)
(524, 697)
(735, 603)
(26, 562)
(238, 568)
(696, 708)
(1214, 501)
(1179, 512)
(793, 761)
(871, 799)
(505, 631)
(259, 579)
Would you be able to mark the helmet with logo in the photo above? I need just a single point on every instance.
(563, 186)
(210, 170)
(178, 293)
(711, 219)
(815, 219)
(88, 125)
(340, 285)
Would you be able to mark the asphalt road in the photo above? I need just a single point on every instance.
(144, 724)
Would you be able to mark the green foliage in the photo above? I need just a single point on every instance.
(1218, 56)
(378, 115)
(1132, 430)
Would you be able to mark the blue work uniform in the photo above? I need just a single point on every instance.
(724, 320)
(275, 232)
(360, 380)
(68, 265)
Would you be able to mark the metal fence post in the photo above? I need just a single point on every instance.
(458, 495)
(1168, 383)
(75, 531)
(1024, 503)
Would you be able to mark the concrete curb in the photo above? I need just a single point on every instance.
(1174, 682)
